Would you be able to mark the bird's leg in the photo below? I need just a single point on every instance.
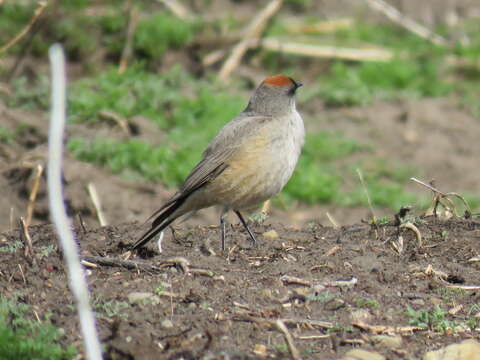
(254, 241)
(222, 228)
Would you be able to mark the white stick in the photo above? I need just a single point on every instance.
(76, 274)
(393, 14)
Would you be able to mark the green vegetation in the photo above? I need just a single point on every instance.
(323, 297)
(6, 136)
(367, 303)
(110, 308)
(433, 320)
(348, 85)
(22, 338)
(161, 32)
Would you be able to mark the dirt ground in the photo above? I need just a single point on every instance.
(196, 302)
(335, 289)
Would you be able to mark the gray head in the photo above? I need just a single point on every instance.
(274, 96)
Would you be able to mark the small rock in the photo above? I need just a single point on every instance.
(419, 302)
(466, 350)
(260, 350)
(166, 324)
(390, 342)
(359, 354)
(334, 304)
(361, 315)
(192, 306)
(138, 297)
(271, 234)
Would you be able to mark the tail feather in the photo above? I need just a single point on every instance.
(163, 219)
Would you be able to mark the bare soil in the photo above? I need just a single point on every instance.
(330, 286)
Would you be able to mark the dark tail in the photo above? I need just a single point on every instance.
(160, 223)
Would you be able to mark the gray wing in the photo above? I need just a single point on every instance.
(216, 156)
(214, 162)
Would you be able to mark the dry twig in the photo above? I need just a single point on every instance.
(293, 322)
(332, 220)
(288, 338)
(119, 120)
(367, 194)
(133, 18)
(383, 329)
(325, 51)
(287, 280)
(33, 193)
(396, 16)
(27, 240)
(411, 226)
(253, 32)
(178, 9)
(38, 12)
(439, 196)
(92, 191)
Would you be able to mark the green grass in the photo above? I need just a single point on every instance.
(435, 319)
(22, 338)
(158, 33)
(361, 84)
(6, 136)
(367, 303)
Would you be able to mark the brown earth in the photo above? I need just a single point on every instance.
(223, 307)
(336, 290)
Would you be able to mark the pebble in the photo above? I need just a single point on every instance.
(390, 342)
(466, 350)
(166, 324)
(359, 354)
(271, 234)
(140, 297)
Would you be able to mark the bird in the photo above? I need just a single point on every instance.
(249, 161)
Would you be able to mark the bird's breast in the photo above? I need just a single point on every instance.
(262, 165)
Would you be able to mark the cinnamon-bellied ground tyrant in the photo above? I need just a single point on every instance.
(249, 161)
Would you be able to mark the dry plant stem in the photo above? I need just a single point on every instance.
(22, 273)
(92, 191)
(127, 264)
(288, 338)
(418, 235)
(76, 272)
(25, 235)
(324, 51)
(253, 32)
(396, 16)
(127, 49)
(360, 176)
(178, 9)
(293, 322)
(139, 265)
(33, 194)
(332, 220)
(38, 12)
(439, 196)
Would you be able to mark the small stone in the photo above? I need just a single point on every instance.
(419, 302)
(361, 316)
(260, 350)
(192, 306)
(166, 324)
(466, 350)
(138, 297)
(390, 342)
(359, 354)
(271, 234)
(334, 304)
